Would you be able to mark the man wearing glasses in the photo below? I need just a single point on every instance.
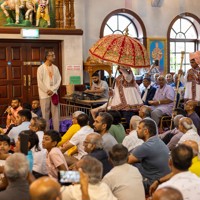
(49, 79)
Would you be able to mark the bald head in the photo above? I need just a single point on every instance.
(94, 138)
(167, 193)
(92, 141)
(161, 81)
(193, 145)
(45, 188)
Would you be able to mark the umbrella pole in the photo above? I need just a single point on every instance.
(113, 84)
(176, 89)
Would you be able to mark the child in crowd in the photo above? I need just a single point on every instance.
(4, 149)
(31, 139)
(55, 159)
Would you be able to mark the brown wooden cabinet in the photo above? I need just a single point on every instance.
(19, 60)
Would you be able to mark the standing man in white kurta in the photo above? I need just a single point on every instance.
(49, 79)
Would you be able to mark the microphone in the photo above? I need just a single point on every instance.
(6, 110)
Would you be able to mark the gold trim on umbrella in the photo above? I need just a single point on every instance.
(121, 50)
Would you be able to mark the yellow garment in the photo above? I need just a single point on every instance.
(68, 135)
(70, 132)
(195, 167)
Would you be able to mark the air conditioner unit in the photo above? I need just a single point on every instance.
(156, 3)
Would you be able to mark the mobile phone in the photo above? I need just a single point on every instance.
(24, 143)
(68, 177)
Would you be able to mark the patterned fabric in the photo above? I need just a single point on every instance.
(192, 76)
(122, 50)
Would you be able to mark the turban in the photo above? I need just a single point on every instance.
(195, 56)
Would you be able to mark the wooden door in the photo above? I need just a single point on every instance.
(19, 60)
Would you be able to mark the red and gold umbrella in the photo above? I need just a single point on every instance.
(122, 50)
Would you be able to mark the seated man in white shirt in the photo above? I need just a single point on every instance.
(183, 180)
(167, 193)
(187, 127)
(22, 121)
(96, 189)
(77, 140)
(131, 140)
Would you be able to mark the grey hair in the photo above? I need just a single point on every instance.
(93, 168)
(135, 120)
(146, 111)
(40, 123)
(176, 120)
(16, 167)
(97, 140)
(77, 113)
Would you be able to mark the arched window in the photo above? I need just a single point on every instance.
(182, 36)
(116, 23)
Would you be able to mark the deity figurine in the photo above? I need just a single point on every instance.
(43, 11)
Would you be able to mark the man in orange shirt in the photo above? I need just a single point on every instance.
(12, 111)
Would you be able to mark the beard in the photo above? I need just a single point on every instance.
(96, 82)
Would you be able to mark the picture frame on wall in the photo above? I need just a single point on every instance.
(157, 48)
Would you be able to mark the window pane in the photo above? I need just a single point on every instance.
(180, 46)
(123, 22)
(190, 46)
(172, 68)
(176, 26)
(118, 23)
(187, 31)
(185, 24)
(107, 31)
(180, 36)
(187, 59)
(191, 33)
(172, 46)
(172, 59)
(132, 31)
(112, 22)
(186, 68)
(118, 32)
(178, 60)
(172, 34)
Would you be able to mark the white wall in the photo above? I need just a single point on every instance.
(72, 51)
(91, 13)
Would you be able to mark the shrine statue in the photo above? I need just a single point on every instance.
(13, 5)
(16, 5)
(43, 12)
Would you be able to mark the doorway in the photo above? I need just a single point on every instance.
(19, 60)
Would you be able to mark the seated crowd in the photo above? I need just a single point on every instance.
(113, 163)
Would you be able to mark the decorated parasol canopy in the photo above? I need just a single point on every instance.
(122, 50)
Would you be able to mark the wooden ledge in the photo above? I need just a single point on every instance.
(44, 31)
